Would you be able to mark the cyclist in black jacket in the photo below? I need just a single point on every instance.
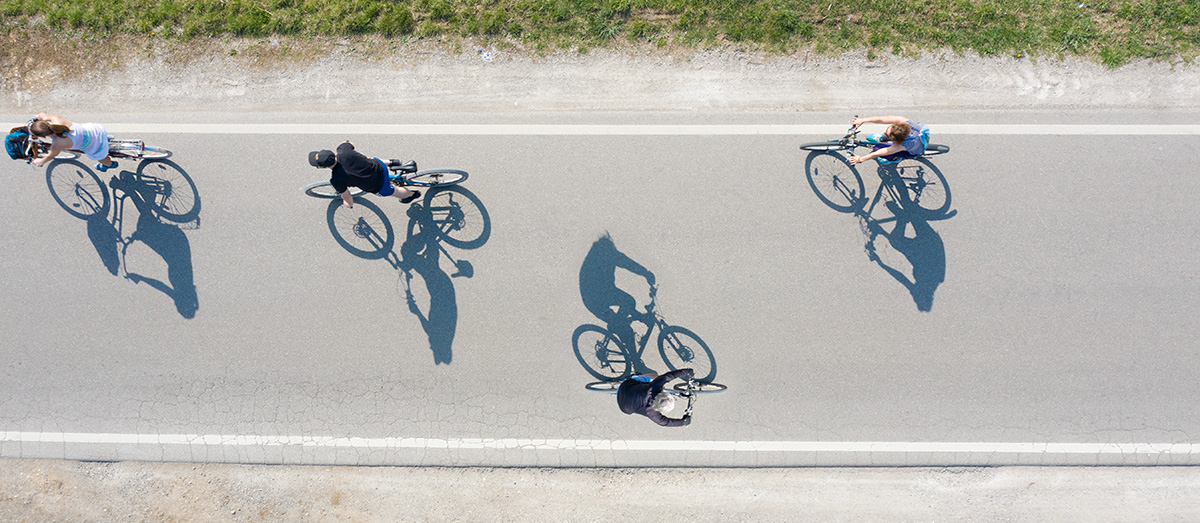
(645, 395)
(352, 169)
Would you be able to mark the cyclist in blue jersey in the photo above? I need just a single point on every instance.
(902, 139)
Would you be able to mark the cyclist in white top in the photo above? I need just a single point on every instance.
(88, 138)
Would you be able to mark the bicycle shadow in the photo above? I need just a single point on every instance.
(614, 352)
(914, 254)
(165, 201)
(438, 218)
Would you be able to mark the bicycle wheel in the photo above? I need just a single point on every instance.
(155, 153)
(831, 145)
(363, 230)
(600, 353)
(136, 150)
(705, 388)
(682, 349)
(925, 187)
(326, 190)
(935, 149)
(77, 189)
(177, 198)
(459, 216)
(835, 181)
(436, 177)
(604, 386)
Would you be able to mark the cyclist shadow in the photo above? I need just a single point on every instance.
(614, 352)
(165, 202)
(914, 193)
(367, 233)
(922, 254)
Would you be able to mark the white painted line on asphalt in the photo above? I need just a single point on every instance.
(212, 440)
(353, 130)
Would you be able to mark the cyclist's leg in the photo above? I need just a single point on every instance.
(405, 195)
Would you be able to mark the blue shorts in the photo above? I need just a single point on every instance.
(643, 379)
(388, 189)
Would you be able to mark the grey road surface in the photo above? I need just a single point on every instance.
(246, 332)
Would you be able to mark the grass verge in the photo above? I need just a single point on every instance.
(1112, 32)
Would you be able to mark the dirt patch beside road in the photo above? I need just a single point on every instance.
(47, 490)
(131, 74)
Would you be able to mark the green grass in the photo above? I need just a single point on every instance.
(1112, 32)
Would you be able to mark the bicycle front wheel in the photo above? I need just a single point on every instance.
(821, 147)
(604, 386)
(600, 353)
(835, 181)
(682, 349)
(77, 189)
(924, 186)
(705, 388)
(326, 190)
(436, 177)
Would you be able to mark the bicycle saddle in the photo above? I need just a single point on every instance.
(406, 167)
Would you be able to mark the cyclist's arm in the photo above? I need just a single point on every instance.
(662, 381)
(346, 198)
(885, 120)
(875, 154)
(57, 145)
(667, 422)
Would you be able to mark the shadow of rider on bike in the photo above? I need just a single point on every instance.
(602, 297)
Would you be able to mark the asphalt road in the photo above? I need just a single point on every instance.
(248, 333)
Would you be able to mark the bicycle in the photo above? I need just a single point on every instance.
(911, 182)
(168, 190)
(603, 355)
(401, 176)
(129, 149)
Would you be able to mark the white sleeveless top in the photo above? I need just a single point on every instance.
(89, 139)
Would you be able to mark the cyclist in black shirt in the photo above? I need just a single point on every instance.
(645, 395)
(352, 169)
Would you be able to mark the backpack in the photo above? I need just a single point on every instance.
(15, 144)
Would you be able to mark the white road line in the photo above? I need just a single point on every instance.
(213, 440)
(351, 130)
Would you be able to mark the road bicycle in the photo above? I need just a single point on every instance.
(913, 183)
(689, 388)
(163, 185)
(455, 214)
(605, 357)
(405, 175)
(131, 149)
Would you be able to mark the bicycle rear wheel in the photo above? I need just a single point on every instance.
(935, 149)
(682, 349)
(459, 216)
(705, 388)
(831, 145)
(604, 386)
(177, 198)
(836, 183)
(924, 186)
(326, 190)
(600, 353)
(436, 177)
